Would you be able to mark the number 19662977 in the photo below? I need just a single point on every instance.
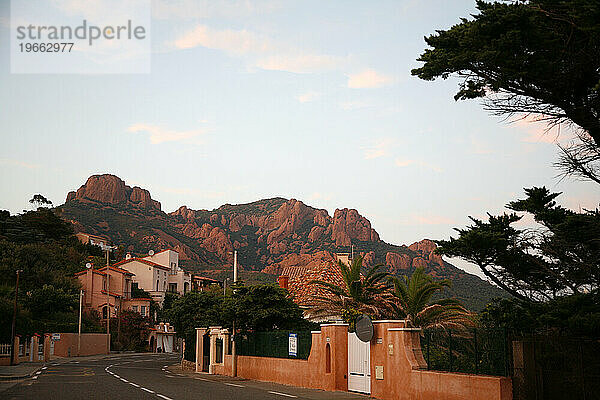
(46, 47)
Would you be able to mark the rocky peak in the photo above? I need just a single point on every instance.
(348, 224)
(110, 189)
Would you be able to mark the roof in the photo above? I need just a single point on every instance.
(89, 235)
(143, 261)
(303, 292)
(293, 271)
(85, 270)
(113, 268)
(203, 278)
(111, 293)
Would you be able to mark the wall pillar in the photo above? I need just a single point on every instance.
(336, 335)
(16, 346)
(214, 333)
(200, 332)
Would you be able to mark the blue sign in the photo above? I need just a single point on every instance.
(293, 344)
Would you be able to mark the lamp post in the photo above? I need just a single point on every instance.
(14, 322)
(79, 328)
(233, 350)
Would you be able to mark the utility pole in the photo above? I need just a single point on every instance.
(108, 297)
(14, 322)
(79, 329)
(233, 351)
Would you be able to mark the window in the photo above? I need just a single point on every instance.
(134, 308)
(172, 287)
(186, 287)
(143, 310)
(157, 282)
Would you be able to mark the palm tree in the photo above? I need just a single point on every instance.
(357, 295)
(412, 301)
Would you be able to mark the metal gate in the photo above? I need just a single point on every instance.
(359, 364)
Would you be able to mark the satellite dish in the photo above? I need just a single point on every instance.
(151, 252)
(128, 256)
(88, 265)
(364, 328)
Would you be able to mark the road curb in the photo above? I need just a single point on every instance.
(17, 377)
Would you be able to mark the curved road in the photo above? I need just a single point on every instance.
(148, 376)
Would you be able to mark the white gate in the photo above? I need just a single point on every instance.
(359, 364)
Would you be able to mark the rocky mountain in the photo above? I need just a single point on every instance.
(268, 234)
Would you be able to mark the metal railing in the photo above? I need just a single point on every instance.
(273, 344)
(475, 351)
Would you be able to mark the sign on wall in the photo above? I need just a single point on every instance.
(293, 344)
(56, 336)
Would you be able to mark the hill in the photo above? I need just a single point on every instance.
(268, 235)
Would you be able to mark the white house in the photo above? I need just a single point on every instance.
(149, 276)
(178, 280)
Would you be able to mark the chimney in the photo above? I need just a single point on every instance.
(283, 281)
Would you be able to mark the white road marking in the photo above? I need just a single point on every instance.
(163, 397)
(165, 366)
(283, 394)
(202, 379)
(44, 367)
(232, 384)
(134, 384)
(39, 372)
(147, 390)
(116, 376)
(124, 380)
(35, 377)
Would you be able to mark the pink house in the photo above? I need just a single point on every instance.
(93, 282)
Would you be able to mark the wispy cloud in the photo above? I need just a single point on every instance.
(379, 148)
(259, 50)
(308, 96)
(403, 163)
(18, 163)
(400, 162)
(479, 147)
(536, 130)
(368, 79)
(427, 219)
(160, 134)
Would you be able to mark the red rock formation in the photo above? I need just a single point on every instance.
(423, 246)
(111, 189)
(348, 224)
(369, 259)
(397, 262)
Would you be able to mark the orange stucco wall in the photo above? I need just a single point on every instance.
(303, 373)
(397, 349)
(91, 344)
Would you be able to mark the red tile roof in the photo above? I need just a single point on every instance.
(305, 293)
(116, 269)
(147, 262)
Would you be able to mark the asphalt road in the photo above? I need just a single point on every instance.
(148, 376)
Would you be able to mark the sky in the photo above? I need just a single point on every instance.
(309, 100)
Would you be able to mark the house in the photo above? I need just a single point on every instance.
(162, 338)
(178, 280)
(119, 297)
(149, 276)
(86, 238)
(201, 283)
(297, 280)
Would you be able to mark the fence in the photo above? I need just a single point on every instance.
(475, 351)
(273, 344)
(5, 349)
(553, 367)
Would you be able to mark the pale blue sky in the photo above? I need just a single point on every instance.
(302, 99)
